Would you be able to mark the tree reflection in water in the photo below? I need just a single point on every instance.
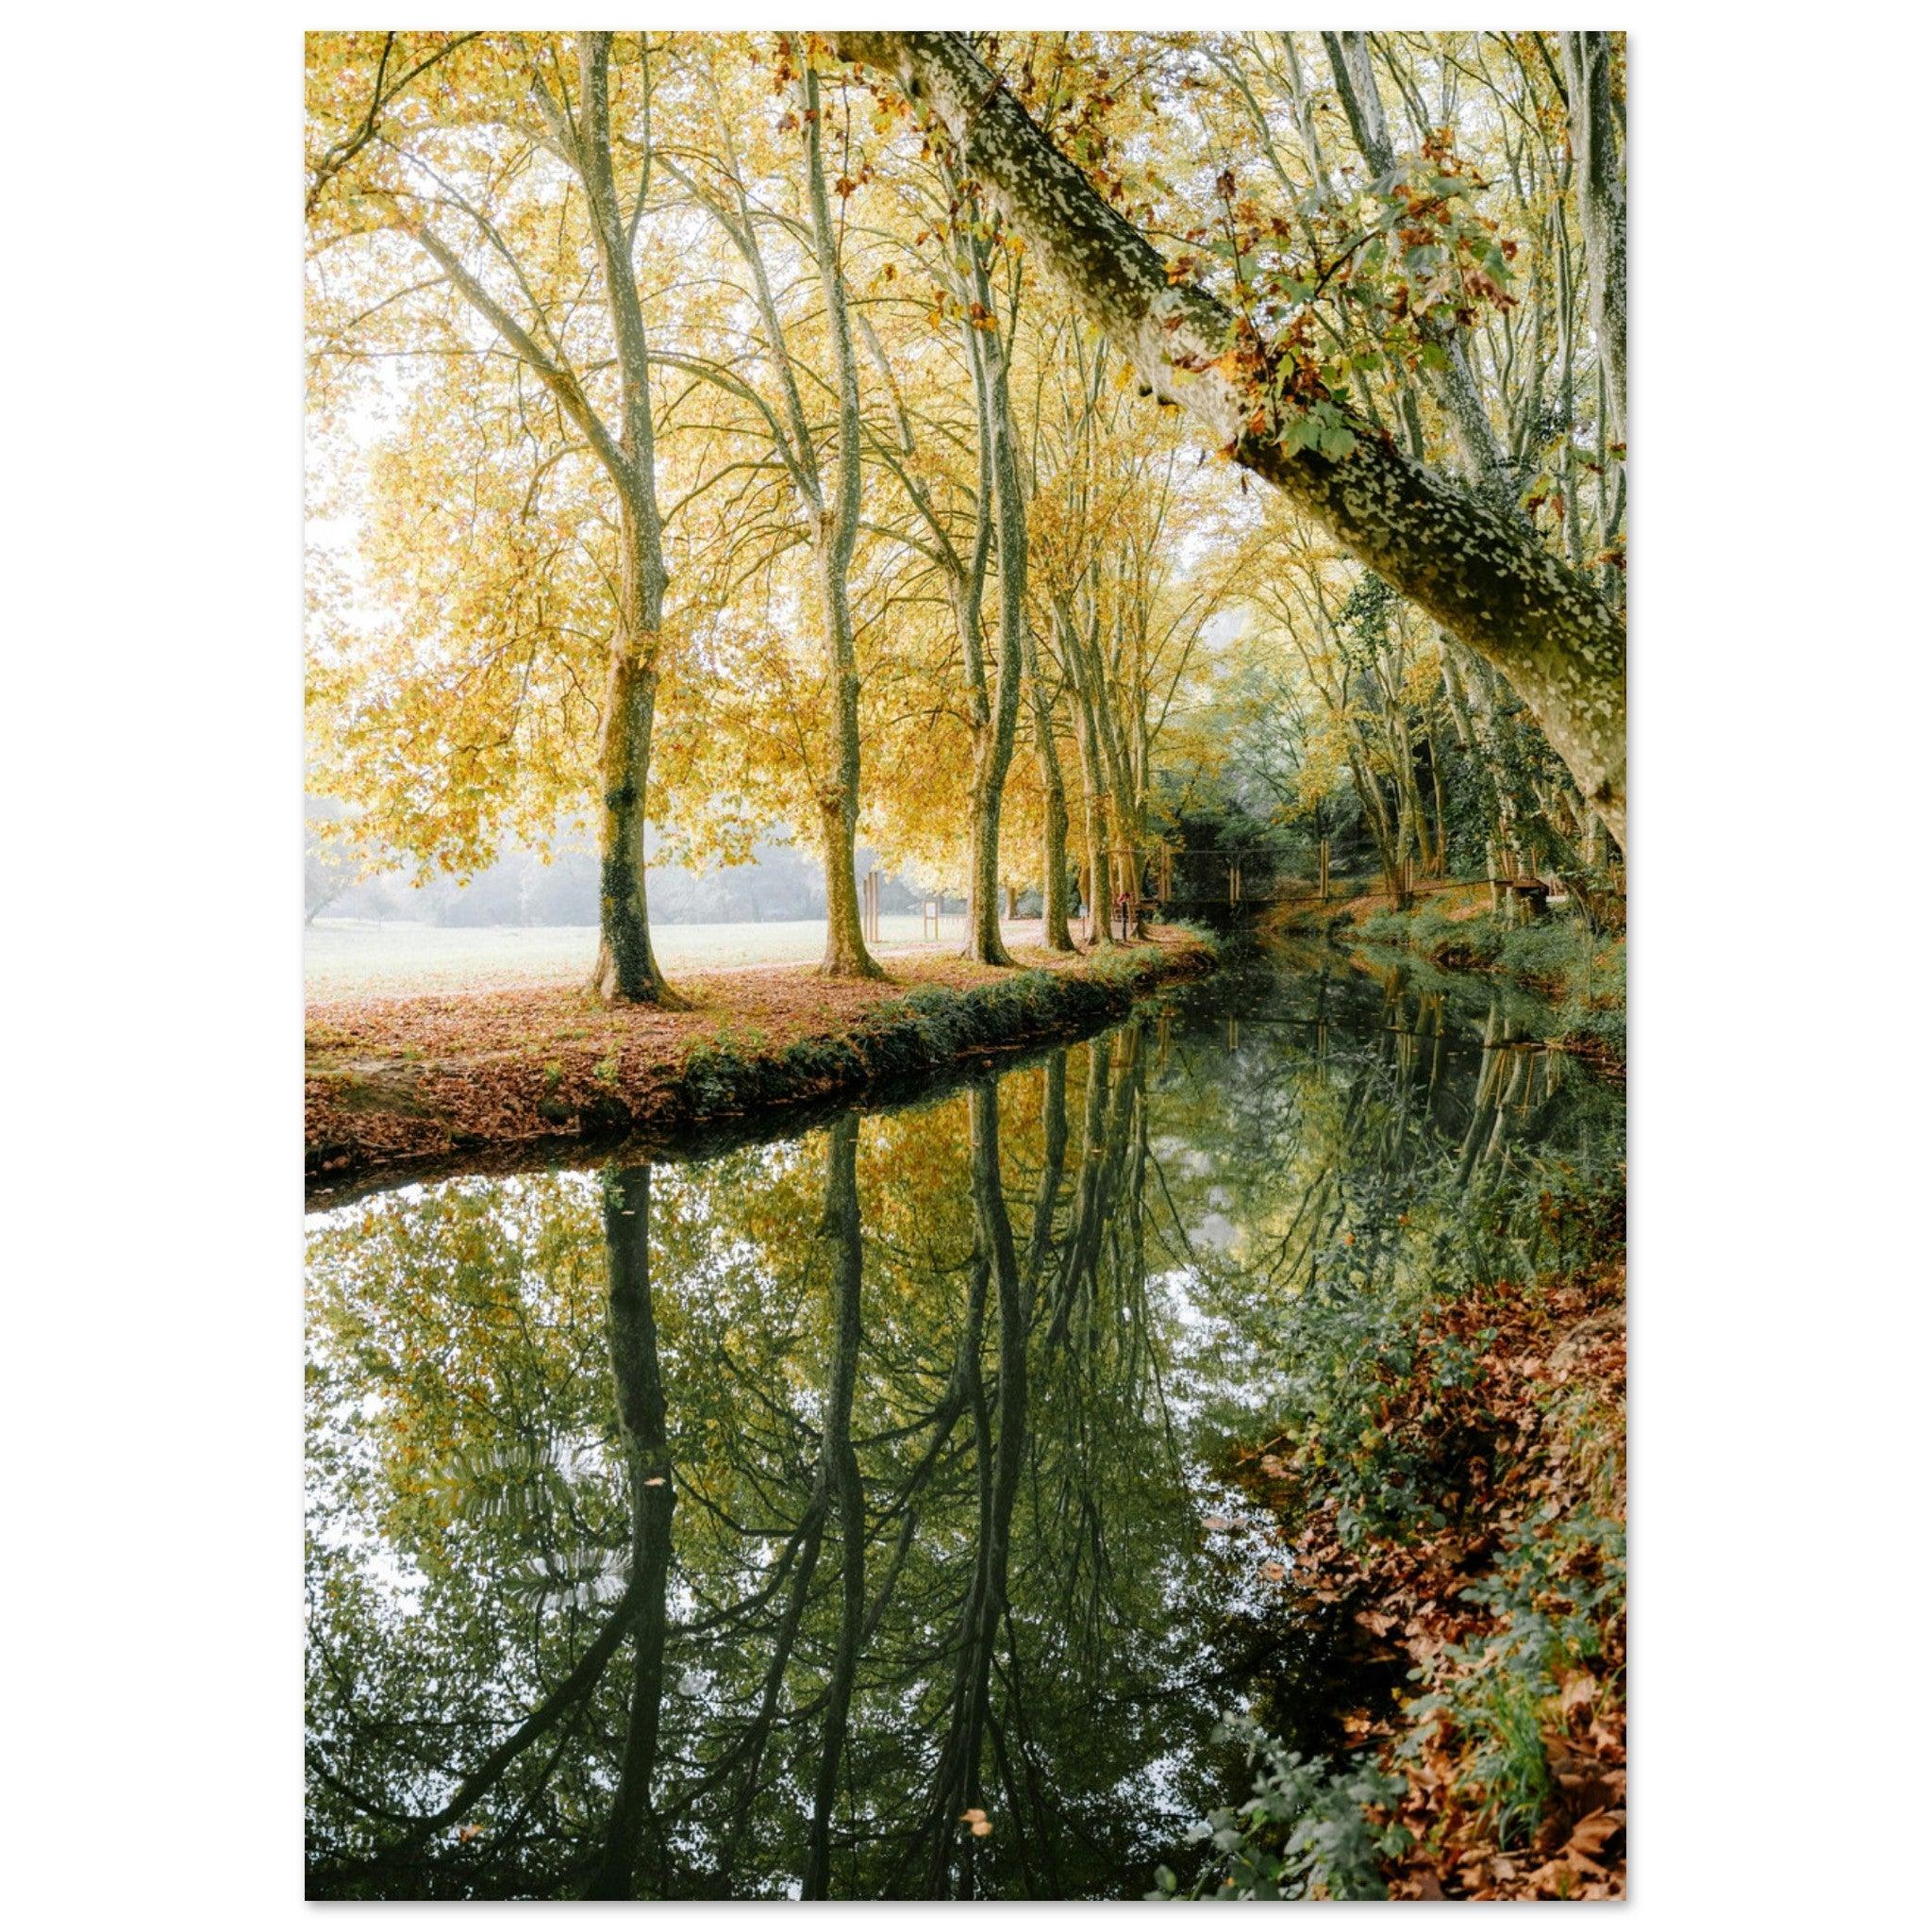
(826, 1519)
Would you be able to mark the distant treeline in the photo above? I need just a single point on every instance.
(780, 882)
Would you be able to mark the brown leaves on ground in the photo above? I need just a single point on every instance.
(1557, 1346)
(415, 1079)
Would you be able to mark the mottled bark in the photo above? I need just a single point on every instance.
(1601, 207)
(627, 969)
(1469, 564)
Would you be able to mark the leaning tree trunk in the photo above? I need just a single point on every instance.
(1469, 563)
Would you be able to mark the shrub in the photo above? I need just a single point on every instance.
(1305, 1834)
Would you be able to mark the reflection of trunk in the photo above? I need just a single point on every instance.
(1103, 1141)
(839, 1475)
(751, 1747)
(1001, 1436)
(1051, 1167)
(1492, 1079)
(582, 1680)
(640, 1416)
(1090, 1195)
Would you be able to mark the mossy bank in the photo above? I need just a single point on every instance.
(409, 1087)
(1578, 970)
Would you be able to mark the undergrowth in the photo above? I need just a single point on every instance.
(1451, 1468)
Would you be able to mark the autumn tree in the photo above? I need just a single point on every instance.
(469, 150)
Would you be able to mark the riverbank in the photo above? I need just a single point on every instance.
(406, 1084)
(1461, 1508)
(1505, 1766)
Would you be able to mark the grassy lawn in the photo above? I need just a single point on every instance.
(351, 959)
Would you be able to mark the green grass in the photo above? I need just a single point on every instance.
(349, 960)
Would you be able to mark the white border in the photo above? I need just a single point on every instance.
(152, 490)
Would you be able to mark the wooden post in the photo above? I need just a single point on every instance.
(1321, 869)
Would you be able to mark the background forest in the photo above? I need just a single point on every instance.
(716, 439)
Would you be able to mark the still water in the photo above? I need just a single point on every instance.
(848, 1515)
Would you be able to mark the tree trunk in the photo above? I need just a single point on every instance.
(627, 970)
(1098, 889)
(995, 721)
(1601, 205)
(1454, 384)
(984, 942)
(1466, 561)
(845, 956)
(845, 952)
(1053, 837)
(1055, 934)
